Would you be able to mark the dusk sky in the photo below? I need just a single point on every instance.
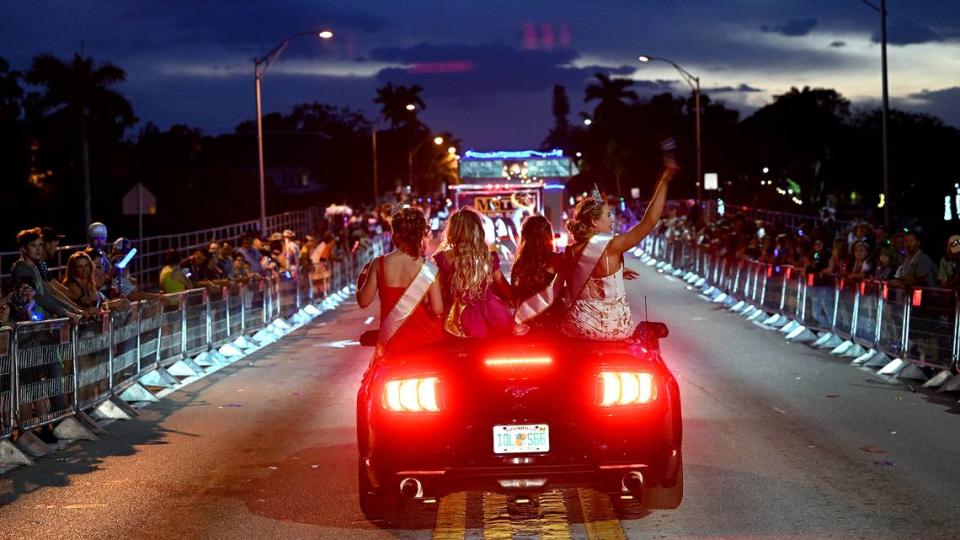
(488, 67)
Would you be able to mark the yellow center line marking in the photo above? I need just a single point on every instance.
(496, 519)
(451, 517)
(553, 517)
(598, 516)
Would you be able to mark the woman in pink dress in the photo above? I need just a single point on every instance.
(475, 293)
(389, 276)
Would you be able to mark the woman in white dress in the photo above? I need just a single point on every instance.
(594, 263)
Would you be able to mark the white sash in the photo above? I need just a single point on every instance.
(587, 263)
(540, 302)
(408, 302)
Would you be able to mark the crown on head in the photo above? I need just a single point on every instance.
(596, 194)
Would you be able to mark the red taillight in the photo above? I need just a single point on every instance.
(626, 388)
(534, 361)
(412, 395)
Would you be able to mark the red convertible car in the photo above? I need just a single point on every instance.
(520, 416)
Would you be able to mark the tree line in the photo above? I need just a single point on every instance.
(68, 151)
(809, 144)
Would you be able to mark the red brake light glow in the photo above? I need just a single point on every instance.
(626, 388)
(540, 360)
(411, 395)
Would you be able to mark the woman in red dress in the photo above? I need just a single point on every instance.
(389, 276)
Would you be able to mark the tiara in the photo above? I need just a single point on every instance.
(596, 194)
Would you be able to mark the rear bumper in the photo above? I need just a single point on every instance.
(441, 473)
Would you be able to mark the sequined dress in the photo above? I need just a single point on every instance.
(602, 312)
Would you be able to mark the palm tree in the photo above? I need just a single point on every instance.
(613, 95)
(11, 95)
(80, 94)
(395, 101)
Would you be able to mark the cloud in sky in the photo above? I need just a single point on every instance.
(944, 103)
(191, 62)
(742, 88)
(485, 69)
(902, 31)
(793, 27)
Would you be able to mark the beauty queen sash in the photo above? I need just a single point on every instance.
(540, 302)
(408, 302)
(587, 263)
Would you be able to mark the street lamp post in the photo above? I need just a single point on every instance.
(694, 83)
(260, 66)
(436, 140)
(373, 138)
(882, 9)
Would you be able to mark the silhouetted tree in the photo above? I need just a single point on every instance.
(79, 96)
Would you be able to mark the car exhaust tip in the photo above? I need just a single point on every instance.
(411, 488)
(632, 482)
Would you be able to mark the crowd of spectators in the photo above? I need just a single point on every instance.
(96, 278)
(828, 250)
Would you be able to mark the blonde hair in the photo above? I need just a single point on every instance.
(585, 214)
(472, 272)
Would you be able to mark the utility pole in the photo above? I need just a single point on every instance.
(376, 182)
(886, 111)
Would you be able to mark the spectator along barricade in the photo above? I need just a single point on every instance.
(905, 331)
(54, 372)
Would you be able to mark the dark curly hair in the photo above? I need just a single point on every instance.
(409, 228)
(533, 257)
(585, 214)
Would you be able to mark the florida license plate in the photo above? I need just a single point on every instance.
(519, 439)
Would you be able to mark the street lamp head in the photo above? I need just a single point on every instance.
(643, 58)
(325, 34)
(411, 107)
(438, 141)
(452, 150)
(587, 121)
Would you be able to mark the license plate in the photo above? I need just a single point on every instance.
(519, 439)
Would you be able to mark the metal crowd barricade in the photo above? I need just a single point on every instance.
(151, 322)
(43, 372)
(218, 306)
(288, 286)
(254, 298)
(92, 346)
(868, 314)
(6, 382)
(791, 296)
(195, 315)
(171, 333)
(820, 297)
(772, 287)
(125, 339)
(894, 314)
(235, 310)
(847, 295)
(931, 329)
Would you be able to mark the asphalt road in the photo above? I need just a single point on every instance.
(780, 442)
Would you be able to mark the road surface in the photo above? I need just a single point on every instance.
(781, 442)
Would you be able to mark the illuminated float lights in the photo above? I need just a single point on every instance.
(519, 154)
(505, 187)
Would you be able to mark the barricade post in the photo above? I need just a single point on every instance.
(7, 409)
